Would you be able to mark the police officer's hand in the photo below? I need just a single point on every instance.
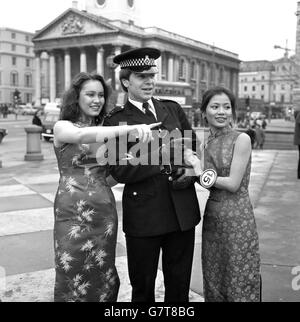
(183, 178)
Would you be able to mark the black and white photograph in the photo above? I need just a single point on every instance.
(150, 153)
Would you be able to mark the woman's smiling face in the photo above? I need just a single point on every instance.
(219, 111)
(91, 99)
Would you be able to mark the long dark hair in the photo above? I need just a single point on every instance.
(209, 94)
(70, 109)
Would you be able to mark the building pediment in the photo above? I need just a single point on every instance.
(75, 23)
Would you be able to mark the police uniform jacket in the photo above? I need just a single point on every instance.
(151, 206)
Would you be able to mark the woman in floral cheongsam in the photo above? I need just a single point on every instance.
(86, 222)
(230, 248)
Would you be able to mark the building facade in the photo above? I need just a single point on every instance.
(87, 39)
(272, 82)
(276, 83)
(16, 65)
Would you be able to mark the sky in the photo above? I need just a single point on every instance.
(249, 28)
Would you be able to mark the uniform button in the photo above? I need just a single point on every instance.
(135, 193)
(170, 179)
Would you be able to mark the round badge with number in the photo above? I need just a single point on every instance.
(208, 178)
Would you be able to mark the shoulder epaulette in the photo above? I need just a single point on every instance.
(115, 111)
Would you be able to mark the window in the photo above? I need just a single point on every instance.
(282, 98)
(193, 70)
(26, 37)
(262, 97)
(28, 80)
(27, 62)
(203, 71)
(262, 87)
(13, 47)
(254, 79)
(253, 88)
(221, 76)
(245, 88)
(14, 78)
(263, 77)
(182, 69)
(27, 50)
(14, 61)
(13, 35)
(283, 87)
(28, 97)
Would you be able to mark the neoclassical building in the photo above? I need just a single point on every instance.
(85, 39)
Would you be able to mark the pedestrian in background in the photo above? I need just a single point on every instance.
(259, 136)
(36, 119)
(159, 213)
(197, 116)
(230, 247)
(85, 229)
(297, 139)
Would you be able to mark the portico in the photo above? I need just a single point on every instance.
(79, 41)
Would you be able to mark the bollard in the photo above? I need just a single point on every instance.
(34, 152)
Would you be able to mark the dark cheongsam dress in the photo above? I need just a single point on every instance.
(230, 249)
(85, 229)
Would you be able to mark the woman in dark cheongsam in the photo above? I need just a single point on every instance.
(230, 247)
(85, 230)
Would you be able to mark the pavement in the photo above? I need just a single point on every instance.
(27, 191)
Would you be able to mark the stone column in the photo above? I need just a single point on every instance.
(117, 70)
(176, 69)
(198, 76)
(52, 77)
(67, 69)
(171, 69)
(37, 79)
(83, 63)
(188, 74)
(100, 61)
(159, 67)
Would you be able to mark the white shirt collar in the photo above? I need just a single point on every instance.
(139, 105)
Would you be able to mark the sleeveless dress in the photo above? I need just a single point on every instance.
(85, 229)
(230, 248)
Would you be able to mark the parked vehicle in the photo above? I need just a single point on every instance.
(3, 133)
(50, 118)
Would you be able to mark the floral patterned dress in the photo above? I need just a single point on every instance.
(230, 248)
(85, 229)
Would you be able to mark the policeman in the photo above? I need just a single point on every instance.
(157, 214)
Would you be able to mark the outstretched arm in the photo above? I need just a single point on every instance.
(67, 132)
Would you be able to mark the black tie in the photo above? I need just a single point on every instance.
(146, 106)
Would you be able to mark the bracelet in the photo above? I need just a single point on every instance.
(208, 178)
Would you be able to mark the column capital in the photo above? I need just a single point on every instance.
(38, 53)
(100, 49)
